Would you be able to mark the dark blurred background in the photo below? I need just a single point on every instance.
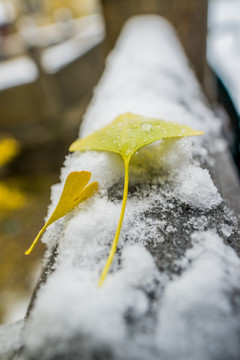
(52, 54)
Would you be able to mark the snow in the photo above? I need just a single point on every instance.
(203, 334)
(222, 13)
(165, 88)
(195, 187)
(10, 338)
(224, 57)
(187, 314)
(223, 50)
(18, 71)
(89, 297)
(227, 230)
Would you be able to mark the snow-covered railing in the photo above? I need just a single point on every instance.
(173, 289)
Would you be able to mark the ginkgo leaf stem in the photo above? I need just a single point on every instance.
(116, 237)
(36, 240)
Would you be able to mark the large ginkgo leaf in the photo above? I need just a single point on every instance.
(74, 192)
(125, 135)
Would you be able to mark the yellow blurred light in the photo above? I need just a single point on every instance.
(9, 148)
(10, 199)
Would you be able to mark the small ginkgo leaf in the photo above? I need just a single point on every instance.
(74, 192)
(125, 135)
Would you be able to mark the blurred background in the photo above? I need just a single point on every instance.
(52, 54)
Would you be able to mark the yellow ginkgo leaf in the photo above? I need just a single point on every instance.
(125, 135)
(74, 192)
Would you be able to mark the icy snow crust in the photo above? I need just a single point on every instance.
(173, 292)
